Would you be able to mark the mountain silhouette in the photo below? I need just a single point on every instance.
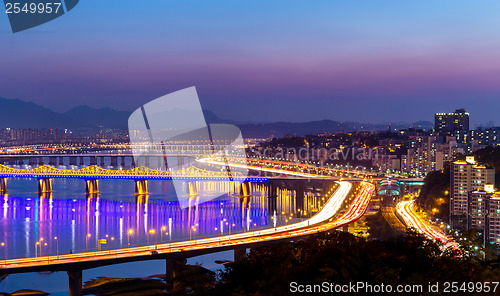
(20, 114)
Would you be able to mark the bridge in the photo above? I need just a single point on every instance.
(114, 159)
(324, 220)
(92, 174)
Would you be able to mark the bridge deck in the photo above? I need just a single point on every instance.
(319, 222)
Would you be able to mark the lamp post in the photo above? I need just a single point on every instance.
(86, 242)
(41, 240)
(36, 249)
(163, 228)
(4, 252)
(152, 232)
(130, 232)
(57, 247)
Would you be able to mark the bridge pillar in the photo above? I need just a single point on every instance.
(141, 187)
(61, 160)
(271, 196)
(44, 185)
(52, 160)
(245, 189)
(123, 161)
(93, 160)
(174, 267)
(299, 196)
(239, 254)
(81, 160)
(75, 282)
(72, 160)
(161, 163)
(40, 160)
(180, 161)
(3, 184)
(114, 161)
(102, 161)
(92, 186)
(32, 161)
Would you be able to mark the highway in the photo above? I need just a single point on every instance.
(406, 210)
(322, 221)
(285, 168)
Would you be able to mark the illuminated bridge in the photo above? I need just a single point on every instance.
(92, 174)
(325, 220)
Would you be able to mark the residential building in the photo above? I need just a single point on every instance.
(466, 176)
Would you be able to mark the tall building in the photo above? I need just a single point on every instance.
(422, 156)
(466, 176)
(484, 213)
(449, 123)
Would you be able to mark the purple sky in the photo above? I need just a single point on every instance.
(290, 60)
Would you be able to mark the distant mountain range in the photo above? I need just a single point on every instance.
(20, 114)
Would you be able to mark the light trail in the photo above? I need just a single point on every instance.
(322, 221)
(406, 209)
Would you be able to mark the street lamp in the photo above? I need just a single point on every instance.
(36, 249)
(130, 232)
(163, 228)
(191, 232)
(4, 252)
(57, 247)
(86, 242)
(152, 232)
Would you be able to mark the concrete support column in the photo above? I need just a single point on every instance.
(81, 160)
(92, 186)
(174, 267)
(114, 161)
(44, 185)
(75, 282)
(72, 160)
(271, 197)
(245, 189)
(102, 161)
(3, 184)
(141, 187)
(239, 254)
(299, 196)
(180, 161)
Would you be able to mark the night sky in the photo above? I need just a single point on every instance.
(366, 61)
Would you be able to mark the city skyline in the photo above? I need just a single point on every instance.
(320, 61)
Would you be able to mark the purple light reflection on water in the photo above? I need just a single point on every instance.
(78, 223)
(69, 215)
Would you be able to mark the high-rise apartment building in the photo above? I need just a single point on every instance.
(466, 176)
(484, 213)
(449, 123)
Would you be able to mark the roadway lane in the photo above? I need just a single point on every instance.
(406, 210)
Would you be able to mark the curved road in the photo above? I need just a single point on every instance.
(406, 209)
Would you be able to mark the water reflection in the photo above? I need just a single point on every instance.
(56, 224)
